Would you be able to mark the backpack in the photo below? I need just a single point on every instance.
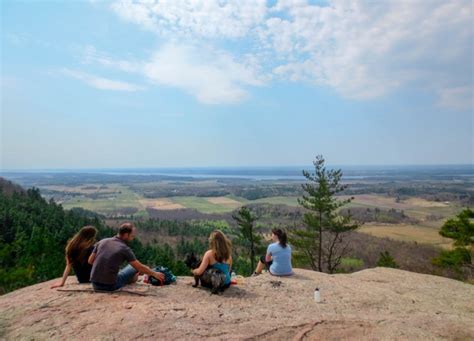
(169, 277)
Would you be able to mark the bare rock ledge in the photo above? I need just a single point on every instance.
(373, 304)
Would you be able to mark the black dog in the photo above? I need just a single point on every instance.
(213, 279)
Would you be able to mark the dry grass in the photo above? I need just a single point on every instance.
(407, 233)
(419, 202)
(380, 201)
(224, 201)
(160, 204)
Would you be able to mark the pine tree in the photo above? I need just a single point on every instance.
(386, 260)
(321, 241)
(248, 237)
(461, 229)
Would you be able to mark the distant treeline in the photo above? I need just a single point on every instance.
(433, 191)
(368, 215)
(248, 191)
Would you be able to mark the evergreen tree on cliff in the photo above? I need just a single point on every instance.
(321, 241)
(248, 237)
(461, 229)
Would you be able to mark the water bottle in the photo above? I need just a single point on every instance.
(317, 295)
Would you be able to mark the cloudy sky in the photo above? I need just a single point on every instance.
(89, 84)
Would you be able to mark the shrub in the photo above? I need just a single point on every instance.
(386, 260)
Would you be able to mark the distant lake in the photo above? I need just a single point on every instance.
(276, 173)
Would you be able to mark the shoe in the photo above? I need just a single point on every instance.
(255, 274)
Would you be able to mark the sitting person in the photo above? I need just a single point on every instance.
(78, 250)
(109, 254)
(218, 257)
(278, 257)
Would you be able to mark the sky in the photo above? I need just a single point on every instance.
(131, 84)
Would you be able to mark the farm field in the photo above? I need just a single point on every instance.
(407, 233)
(208, 205)
(115, 201)
(416, 218)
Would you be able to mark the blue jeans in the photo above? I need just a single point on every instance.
(125, 276)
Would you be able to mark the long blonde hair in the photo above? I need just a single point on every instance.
(76, 248)
(221, 246)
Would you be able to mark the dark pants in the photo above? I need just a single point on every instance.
(267, 264)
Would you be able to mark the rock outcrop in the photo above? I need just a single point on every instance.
(375, 304)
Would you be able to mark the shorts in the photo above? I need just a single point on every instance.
(124, 277)
(267, 264)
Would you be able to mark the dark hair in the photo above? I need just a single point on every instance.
(76, 248)
(221, 245)
(281, 236)
(125, 228)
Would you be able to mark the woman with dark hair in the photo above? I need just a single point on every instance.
(78, 250)
(278, 257)
(219, 256)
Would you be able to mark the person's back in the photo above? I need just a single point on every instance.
(281, 259)
(224, 267)
(78, 250)
(110, 254)
(81, 267)
(219, 257)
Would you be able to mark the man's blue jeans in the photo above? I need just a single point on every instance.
(125, 276)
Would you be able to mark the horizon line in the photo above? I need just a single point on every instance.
(63, 169)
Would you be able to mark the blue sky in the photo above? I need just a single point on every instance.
(94, 84)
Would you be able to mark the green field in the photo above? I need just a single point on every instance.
(122, 198)
(290, 201)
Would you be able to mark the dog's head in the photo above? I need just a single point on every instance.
(192, 261)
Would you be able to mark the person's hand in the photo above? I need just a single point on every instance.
(57, 285)
(159, 276)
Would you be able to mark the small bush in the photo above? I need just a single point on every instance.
(454, 259)
(349, 264)
(386, 260)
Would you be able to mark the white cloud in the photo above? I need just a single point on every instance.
(362, 49)
(367, 49)
(209, 75)
(460, 98)
(203, 18)
(100, 82)
(212, 76)
(17, 39)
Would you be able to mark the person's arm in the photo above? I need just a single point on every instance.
(268, 256)
(91, 258)
(66, 272)
(146, 270)
(204, 264)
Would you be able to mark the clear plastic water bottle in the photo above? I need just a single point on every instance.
(317, 295)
